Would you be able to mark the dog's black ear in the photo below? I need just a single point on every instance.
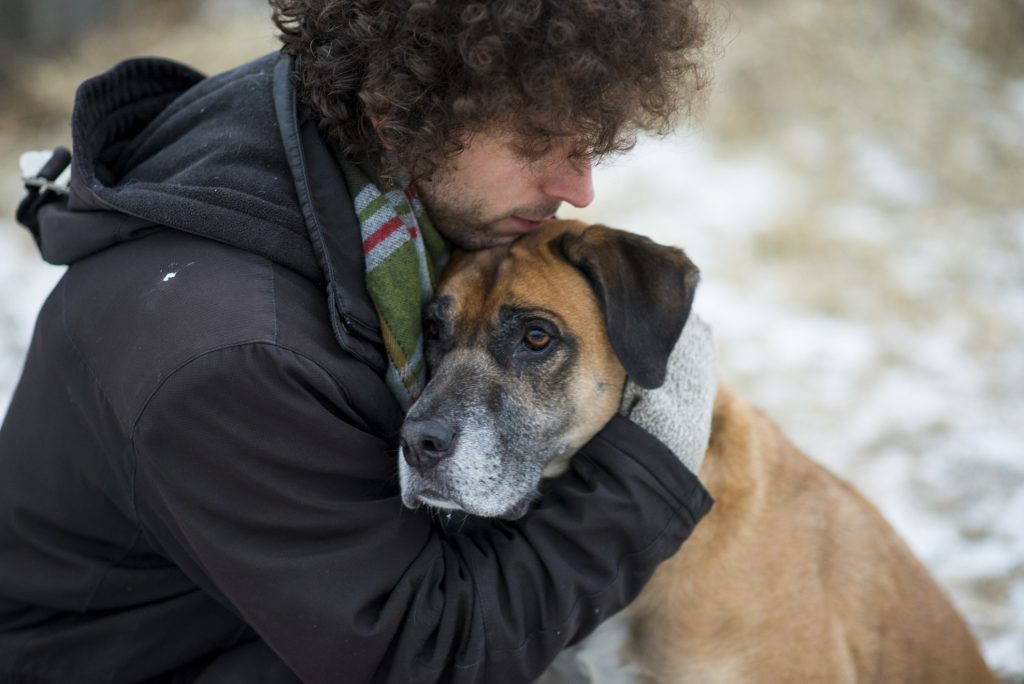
(646, 290)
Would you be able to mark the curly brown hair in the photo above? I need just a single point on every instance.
(418, 76)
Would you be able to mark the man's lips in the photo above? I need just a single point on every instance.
(527, 224)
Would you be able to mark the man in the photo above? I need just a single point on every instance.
(197, 470)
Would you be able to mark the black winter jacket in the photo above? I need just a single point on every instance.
(199, 460)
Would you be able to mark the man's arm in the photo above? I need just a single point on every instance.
(259, 479)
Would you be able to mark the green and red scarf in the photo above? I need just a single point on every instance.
(404, 254)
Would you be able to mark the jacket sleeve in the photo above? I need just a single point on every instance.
(255, 476)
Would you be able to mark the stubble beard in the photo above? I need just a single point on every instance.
(462, 224)
(462, 221)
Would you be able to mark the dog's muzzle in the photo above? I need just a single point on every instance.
(424, 444)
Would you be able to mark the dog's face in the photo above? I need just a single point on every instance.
(529, 346)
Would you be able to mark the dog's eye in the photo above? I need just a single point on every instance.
(537, 339)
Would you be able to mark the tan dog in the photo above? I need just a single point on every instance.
(792, 577)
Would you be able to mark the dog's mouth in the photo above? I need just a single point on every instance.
(428, 496)
(414, 497)
(435, 500)
(469, 464)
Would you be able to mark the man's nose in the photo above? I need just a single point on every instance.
(571, 182)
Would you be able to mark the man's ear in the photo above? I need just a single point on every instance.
(646, 291)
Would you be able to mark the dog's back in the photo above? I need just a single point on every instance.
(793, 577)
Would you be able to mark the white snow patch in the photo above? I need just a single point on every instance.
(888, 177)
(25, 280)
(683, 185)
(1016, 93)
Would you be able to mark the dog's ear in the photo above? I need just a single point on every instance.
(645, 289)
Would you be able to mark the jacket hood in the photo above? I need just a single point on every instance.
(160, 145)
(231, 158)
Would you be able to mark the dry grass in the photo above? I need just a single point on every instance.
(932, 88)
(211, 37)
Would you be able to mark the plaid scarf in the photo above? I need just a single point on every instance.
(403, 253)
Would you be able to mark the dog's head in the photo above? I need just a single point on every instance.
(529, 346)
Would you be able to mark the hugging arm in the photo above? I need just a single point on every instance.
(282, 503)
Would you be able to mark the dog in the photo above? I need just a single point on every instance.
(792, 577)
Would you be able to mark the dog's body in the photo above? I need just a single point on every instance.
(792, 577)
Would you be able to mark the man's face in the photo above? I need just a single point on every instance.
(490, 194)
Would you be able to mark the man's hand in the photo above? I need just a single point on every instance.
(679, 412)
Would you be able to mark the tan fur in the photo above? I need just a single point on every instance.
(793, 576)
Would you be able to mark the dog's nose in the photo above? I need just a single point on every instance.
(425, 442)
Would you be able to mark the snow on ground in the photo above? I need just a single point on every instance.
(24, 281)
(853, 198)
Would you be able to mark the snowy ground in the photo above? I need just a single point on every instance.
(853, 196)
(24, 281)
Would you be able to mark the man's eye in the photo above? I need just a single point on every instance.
(536, 339)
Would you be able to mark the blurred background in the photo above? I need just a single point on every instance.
(852, 189)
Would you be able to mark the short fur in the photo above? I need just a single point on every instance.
(507, 404)
(792, 577)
